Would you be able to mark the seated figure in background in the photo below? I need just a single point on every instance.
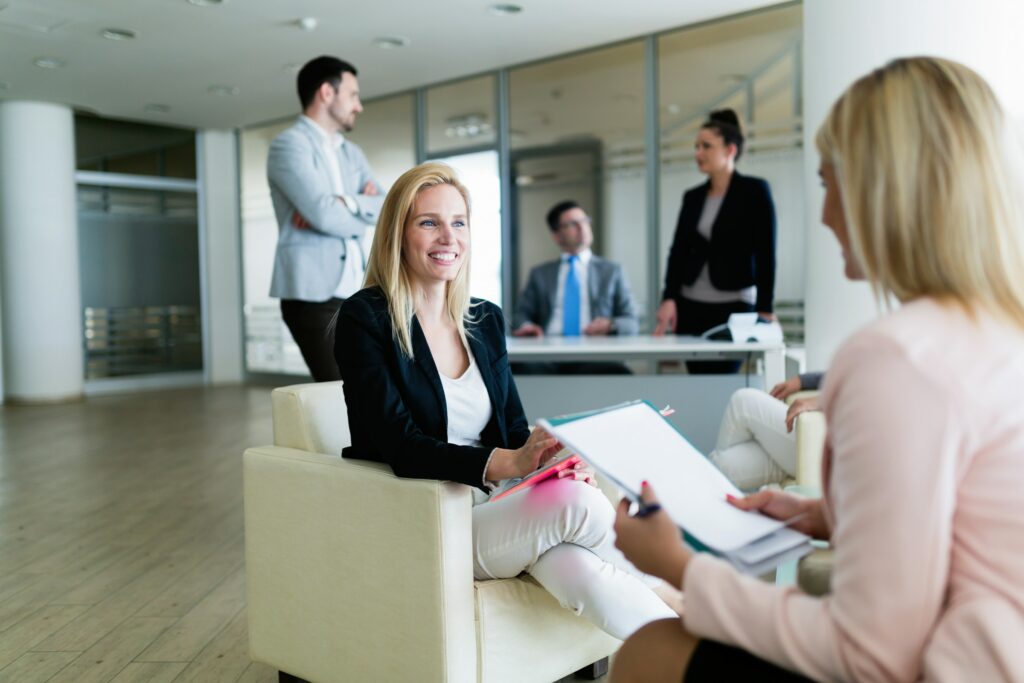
(756, 443)
(578, 293)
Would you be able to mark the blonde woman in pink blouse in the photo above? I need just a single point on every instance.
(923, 469)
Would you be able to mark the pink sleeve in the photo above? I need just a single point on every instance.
(894, 437)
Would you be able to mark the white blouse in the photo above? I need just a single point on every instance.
(469, 410)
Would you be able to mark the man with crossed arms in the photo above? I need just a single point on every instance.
(325, 197)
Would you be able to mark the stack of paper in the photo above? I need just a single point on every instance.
(632, 443)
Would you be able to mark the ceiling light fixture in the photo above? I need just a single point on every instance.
(223, 90)
(307, 23)
(206, 3)
(154, 108)
(49, 62)
(390, 42)
(467, 126)
(118, 34)
(505, 9)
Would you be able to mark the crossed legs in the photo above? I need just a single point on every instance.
(753, 446)
(560, 532)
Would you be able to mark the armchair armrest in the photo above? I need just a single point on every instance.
(810, 443)
(339, 552)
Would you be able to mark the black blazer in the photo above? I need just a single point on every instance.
(741, 251)
(396, 408)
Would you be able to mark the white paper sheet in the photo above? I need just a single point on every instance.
(634, 443)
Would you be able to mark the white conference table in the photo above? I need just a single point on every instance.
(649, 348)
(699, 400)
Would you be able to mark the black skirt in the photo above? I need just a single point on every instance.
(713, 661)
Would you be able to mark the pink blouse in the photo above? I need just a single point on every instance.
(924, 491)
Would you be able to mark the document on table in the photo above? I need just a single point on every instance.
(632, 443)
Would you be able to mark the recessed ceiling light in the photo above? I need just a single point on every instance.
(49, 62)
(390, 42)
(117, 34)
(307, 23)
(505, 8)
(206, 3)
(154, 108)
(223, 90)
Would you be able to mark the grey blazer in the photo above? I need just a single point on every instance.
(608, 289)
(309, 262)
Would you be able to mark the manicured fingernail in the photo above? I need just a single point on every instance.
(644, 484)
(729, 497)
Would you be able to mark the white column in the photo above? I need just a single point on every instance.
(41, 298)
(221, 256)
(845, 40)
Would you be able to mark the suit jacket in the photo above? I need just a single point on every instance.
(396, 407)
(309, 262)
(607, 287)
(741, 251)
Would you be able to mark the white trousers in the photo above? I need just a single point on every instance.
(753, 446)
(560, 532)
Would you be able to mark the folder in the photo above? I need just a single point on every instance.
(630, 443)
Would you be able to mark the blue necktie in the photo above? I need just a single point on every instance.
(571, 301)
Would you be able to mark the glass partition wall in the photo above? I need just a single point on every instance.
(577, 133)
(752, 65)
(138, 250)
(611, 127)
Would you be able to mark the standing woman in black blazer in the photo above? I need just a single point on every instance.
(722, 259)
(429, 392)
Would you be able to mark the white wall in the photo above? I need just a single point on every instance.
(845, 40)
(220, 256)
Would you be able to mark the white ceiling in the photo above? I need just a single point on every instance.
(181, 49)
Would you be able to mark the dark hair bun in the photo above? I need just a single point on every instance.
(727, 116)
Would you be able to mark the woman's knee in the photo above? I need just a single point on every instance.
(656, 653)
(589, 512)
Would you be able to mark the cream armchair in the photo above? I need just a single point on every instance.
(810, 444)
(357, 575)
(814, 573)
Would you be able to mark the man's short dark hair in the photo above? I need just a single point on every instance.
(318, 71)
(557, 210)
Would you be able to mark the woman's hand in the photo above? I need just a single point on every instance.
(652, 543)
(782, 390)
(507, 463)
(806, 513)
(801, 405)
(581, 471)
(666, 317)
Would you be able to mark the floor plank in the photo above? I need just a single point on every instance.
(150, 672)
(226, 658)
(104, 661)
(36, 667)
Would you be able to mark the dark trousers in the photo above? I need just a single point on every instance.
(695, 318)
(312, 326)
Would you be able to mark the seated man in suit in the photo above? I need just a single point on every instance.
(579, 293)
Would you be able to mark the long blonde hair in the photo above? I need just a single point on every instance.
(929, 170)
(387, 269)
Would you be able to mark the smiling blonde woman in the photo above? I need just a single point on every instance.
(429, 392)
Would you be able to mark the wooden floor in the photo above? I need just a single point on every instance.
(121, 538)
